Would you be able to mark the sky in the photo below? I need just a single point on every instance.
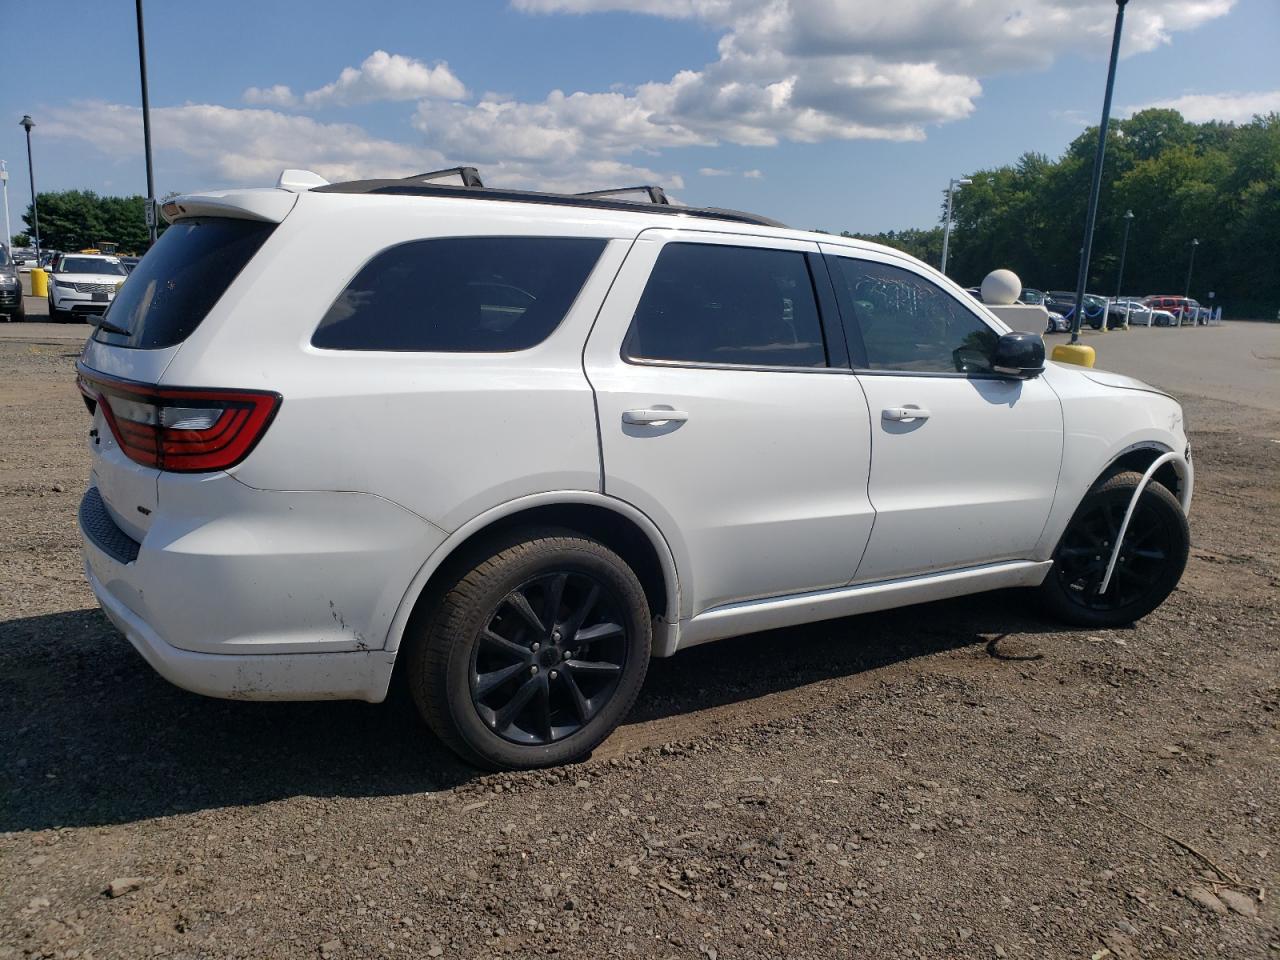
(829, 114)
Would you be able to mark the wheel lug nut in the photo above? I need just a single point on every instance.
(536, 647)
(533, 669)
(555, 636)
(554, 674)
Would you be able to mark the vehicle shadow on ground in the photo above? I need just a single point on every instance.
(89, 735)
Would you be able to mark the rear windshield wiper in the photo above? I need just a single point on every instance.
(105, 324)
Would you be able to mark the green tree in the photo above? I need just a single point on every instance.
(1218, 183)
(76, 219)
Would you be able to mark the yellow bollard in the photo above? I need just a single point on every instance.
(39, 283)
(1076, 353)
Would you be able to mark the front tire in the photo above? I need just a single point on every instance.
(534, 654)
(1151, 561)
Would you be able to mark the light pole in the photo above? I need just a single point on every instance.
(27, 123)
(146, 123)
(1194, 243)
(1124, 248)
(946, 228)
(1096, 183)
(4, 183)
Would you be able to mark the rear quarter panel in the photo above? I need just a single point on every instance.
(445, 435)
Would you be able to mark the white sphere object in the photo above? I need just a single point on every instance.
(1001, 287)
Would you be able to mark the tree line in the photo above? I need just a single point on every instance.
(78, 219)
(1215, 182)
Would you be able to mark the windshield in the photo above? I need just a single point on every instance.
(88, 265)
(1032, 296)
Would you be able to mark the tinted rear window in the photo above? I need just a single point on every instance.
(460, 294)
(727, 305)
(177, 283)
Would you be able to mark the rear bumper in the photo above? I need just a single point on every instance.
(361, 675)
(252, 594)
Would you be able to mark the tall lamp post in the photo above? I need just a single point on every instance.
(1096, 183)
(4, 183)
(27, 123)
(146, 125)
(1194, 243)
(1124, 248)
(946, 228)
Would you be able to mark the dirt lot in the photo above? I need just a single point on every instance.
(957, 780)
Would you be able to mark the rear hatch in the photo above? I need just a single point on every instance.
(139, 429)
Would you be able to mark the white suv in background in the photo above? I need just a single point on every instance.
(83, 285)
(515, 444)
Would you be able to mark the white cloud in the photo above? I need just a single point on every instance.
(714, 172)
(229, 146)
(753, 174)
(382, 76)
(806, 71)
(1229, 107)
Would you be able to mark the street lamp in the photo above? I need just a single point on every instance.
(1095, 184)
(946, 228)
(146, 126)
(4, 183)
(1194, 243)
(27, 123)
(1124, 248)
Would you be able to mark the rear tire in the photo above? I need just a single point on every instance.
(1151, 560)
(534, 654)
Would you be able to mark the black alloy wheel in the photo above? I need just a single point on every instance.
(1152, 555)
(531, 650)
(549, 658)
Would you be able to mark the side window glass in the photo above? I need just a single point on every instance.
(910, 323)
(473, 294)
(746, 306)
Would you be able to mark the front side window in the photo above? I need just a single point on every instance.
(911, 324)
(745, 306)
(460, 294)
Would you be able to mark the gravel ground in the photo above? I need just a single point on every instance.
(962, 779)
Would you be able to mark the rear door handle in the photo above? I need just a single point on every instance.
(908, 412)
(654, 417)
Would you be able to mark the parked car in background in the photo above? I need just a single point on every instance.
(1180, 307)
(1057, 323)
(1032, 296)
(130, 262)
(83, 284)
(22, 256)
(1095, 308)
(589, 385)
(11, 303)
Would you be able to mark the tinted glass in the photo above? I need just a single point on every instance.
(4, 257)
(460, 294)
(180, 279)
(91, 265)
(736, 305)
(910, 323)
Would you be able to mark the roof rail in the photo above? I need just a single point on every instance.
(415, 187)
(470, 175)
(655, 194)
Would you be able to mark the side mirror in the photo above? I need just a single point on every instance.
(1019, 355)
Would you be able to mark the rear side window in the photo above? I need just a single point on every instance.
(460, 294)
(745, 306)
(177, 283)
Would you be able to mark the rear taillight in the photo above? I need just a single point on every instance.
(179, 429)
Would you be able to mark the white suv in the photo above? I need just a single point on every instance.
(83, 285)
(515, 444)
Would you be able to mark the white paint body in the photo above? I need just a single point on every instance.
(776, 497)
